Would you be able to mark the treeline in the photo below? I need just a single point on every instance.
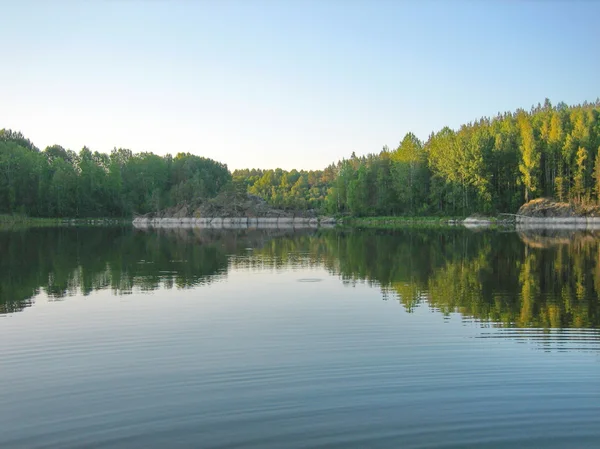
(61, 183)
(490, 165)
(487, 166)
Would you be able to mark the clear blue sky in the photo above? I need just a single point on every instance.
(283, 83)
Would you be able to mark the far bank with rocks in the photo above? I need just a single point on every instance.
(234, 222)
(241, 211)
(550, 214)
(233, 211)
(543, 213)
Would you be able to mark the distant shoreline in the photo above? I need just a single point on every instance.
(517, 223)
(234, 222)
(10, 221)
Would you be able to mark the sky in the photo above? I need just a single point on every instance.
(283, 83)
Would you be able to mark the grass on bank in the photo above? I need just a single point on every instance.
(399, 222)
(501, 221)
(20, 220)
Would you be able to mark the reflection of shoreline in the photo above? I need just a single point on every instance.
(544, 238)
(229, 239)
(62, 262)
(558, 222)
(235, 223)
(495, 277)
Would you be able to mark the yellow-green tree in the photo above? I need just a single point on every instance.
(530, 156)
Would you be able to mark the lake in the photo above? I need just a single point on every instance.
(445, 338)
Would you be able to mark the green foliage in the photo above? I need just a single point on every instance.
(61, 183)
(487, 166)
(287, 189)
(530, 156)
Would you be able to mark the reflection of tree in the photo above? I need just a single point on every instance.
(547, 288)
(548, 237)
(14, 306)
(65, 261)
(62, 262)
(487, 276)
(529, 290)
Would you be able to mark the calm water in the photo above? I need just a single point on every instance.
(117, 338)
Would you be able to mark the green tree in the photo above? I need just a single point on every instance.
(530, 157)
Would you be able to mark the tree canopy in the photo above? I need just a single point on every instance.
(61, 183)
(489, 165)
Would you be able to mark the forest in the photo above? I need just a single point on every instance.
(488, 166)
(61, 183)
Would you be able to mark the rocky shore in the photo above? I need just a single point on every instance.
(544, 213)
(232, 210)
(235, 222)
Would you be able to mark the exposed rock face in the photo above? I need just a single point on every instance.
(476, 222)
(230, 205)
(234, 222)
(544, 207)
(230, 210)
(544, 213)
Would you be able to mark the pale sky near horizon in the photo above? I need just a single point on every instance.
(283, 83)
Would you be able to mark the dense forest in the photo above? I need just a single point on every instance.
(487, 166)
(61, 183)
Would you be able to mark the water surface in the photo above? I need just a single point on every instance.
(117, 338)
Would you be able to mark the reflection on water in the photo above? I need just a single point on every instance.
(67, 261)
(538, 280)
(551, 339)
(200, 338)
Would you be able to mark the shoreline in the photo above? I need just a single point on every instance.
(519, 222)
(235, 222)
(399, 222)
(565, 223)
(10, 221)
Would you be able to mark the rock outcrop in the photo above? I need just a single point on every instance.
(230, 205)
(233, 211)
(544, 207)
(235, 222)
(549, 214)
